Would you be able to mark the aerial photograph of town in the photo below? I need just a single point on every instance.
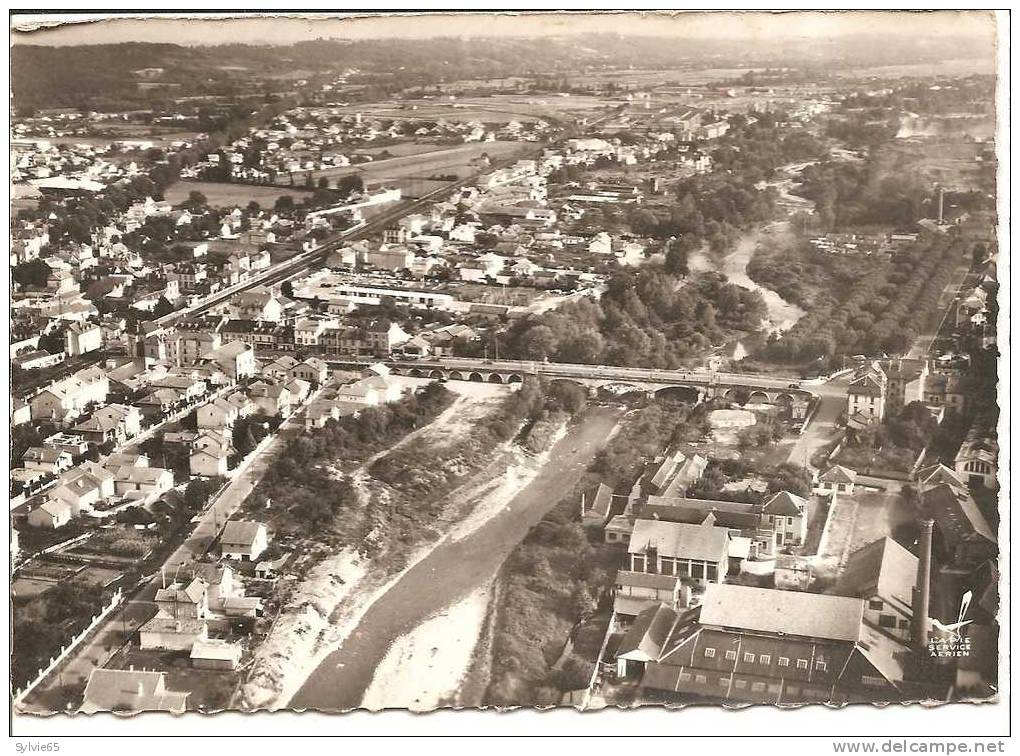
(586, 362)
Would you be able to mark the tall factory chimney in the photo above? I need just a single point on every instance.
(942, 204)
(919, 623)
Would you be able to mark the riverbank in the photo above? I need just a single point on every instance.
(782, 315)
(463, 562)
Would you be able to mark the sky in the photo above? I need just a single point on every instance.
(280, 29)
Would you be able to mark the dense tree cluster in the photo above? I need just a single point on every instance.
(646, 317)
(892, 445)
(881, 313)
(877, 193)
(301, 481)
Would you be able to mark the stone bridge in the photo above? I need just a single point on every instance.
(739, 387)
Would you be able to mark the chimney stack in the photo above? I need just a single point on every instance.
(942, 199)
(919, 623)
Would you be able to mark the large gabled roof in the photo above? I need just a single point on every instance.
(882, 568)
(680, 540)
(785, 503)
(649, 632)
(768, 610)
(130, 690)
(957, 515)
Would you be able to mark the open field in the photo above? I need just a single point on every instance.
(949, 160)
(448, 161)
(964, 67)
(230, 195)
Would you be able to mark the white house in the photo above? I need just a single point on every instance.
(243, 540)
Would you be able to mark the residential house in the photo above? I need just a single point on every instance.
(72, 443)
(274, 400)
(82, 338)
(51, 514)
(210, 454)
(884, 574)
(122, 690)
(142, 483)
(866, 395)
(181, 601)
(114, 423)
(235, 359)
(636, 591)
(159, 402)
(369, 391)
(279, 369)
(697, 553)
(837, 479)
(258, 303)
(243, 540)
(786, 513)
(313, 370)
(47, 460)
(84, 486)
(65, 400)
(222, 413)
(171, 633)
(225, 594)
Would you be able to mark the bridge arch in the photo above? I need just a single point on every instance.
(495, 378)
(476, 377)
(415, 372)
(620, 390)
(515, 378)
(784, 399)
(758, 397)
(679, 393)
(736, 395)
(437, 374)
(456, 375)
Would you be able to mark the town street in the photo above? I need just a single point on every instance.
(821, 428)
(451, 570)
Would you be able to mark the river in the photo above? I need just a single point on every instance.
(455, 569)
(781, 314)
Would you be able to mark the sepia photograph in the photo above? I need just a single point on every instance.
(607, 364)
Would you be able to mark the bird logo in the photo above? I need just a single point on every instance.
(953, 630)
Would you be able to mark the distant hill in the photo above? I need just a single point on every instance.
(104, 77)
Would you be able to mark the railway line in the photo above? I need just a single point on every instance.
(306, 260)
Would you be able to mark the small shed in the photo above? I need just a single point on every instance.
(215, 654)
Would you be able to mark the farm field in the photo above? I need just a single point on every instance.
(449, 161)
(964, 67)
(230, 195)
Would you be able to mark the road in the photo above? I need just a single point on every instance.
(66, 683)
(821, 428)
(923, 344)
(452, 570)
